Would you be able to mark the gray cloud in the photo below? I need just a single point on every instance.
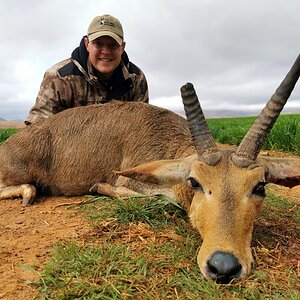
(235, 52)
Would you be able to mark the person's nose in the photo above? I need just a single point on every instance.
(105, 49)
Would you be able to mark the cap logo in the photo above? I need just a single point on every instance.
(106, 23)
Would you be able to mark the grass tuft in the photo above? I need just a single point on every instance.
(133, 209)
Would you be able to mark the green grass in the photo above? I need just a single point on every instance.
(131, 258)
(6, 133)
(284, 136)
(149, 210)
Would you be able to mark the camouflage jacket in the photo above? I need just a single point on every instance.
(73, 82)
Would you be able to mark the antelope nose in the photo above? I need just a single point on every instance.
(223, 267)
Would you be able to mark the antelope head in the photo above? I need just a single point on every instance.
(223, 191)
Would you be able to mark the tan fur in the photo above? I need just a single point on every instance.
(80, 147)
(225, 212)
(92, 148)
(225, 207)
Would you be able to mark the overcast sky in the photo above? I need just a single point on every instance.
(235, 52)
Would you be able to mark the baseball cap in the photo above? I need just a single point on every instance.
(106, 25)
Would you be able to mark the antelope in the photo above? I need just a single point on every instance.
(128, 148)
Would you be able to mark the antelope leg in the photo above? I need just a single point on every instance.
(112, 191)
(26, 191)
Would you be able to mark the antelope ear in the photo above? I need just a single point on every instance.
(281, 171)
(162, 172)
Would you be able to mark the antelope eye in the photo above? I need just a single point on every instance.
(194, 184)
(259, 189)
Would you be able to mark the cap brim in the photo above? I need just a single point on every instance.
(95, 35)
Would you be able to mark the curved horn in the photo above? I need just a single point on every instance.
(203, 140)
(253, 141)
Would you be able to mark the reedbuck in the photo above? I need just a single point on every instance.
(123, 148)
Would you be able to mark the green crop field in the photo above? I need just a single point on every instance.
(284, 136)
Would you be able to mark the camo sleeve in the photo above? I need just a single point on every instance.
(50, 99)
(141, 93)
(140, 90)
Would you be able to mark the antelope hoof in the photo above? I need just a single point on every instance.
(26, 201)
(94, 188)
(29, 194)
(103, 188)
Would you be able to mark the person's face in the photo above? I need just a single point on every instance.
(104, 53)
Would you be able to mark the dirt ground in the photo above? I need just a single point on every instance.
(26, 237)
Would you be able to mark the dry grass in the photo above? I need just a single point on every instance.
(11, 124)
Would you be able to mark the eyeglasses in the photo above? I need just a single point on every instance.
(110, 46)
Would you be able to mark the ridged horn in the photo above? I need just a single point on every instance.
(253, 141)
(203, 140)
